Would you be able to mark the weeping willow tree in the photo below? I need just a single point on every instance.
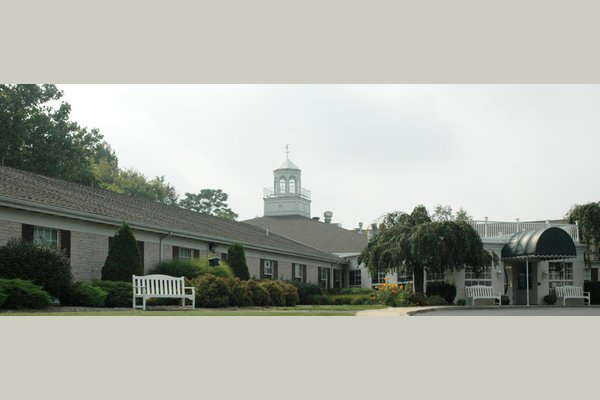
(417, 243)
(588, 218)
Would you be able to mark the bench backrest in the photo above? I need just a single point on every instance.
(158, 285)
(478, 291)
(562, 291)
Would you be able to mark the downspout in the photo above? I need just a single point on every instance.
(160, 247)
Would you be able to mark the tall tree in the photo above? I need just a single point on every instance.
(209, 201)
(36, 135)
(444, 213)
(414, 242)
(588, 218)
(135, 184)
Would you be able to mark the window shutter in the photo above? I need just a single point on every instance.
(262, 268)
(196, 253)
(594, 277)
(141, 250)
(175, 252)
(65, 242)
(303, 269)
(293, 271)
(328, 278)
(275, 269)
(27, 232)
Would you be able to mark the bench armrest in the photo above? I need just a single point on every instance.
(193, 289)
(586, 293)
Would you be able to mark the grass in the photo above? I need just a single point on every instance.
(308, 311)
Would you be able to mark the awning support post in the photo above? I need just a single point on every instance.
(527, 278)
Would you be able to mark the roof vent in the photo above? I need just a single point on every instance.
(328, 215)
(316, 218)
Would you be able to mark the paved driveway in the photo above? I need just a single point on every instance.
(538, 311)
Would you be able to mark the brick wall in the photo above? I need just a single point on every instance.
(9, 230)
(151, 255)
(88, 253)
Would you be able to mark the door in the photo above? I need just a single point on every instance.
(520, 283)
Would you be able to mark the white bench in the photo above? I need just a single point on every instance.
(481, 292)
(572, 292)
(161, 286)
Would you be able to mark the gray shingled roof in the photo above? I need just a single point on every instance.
(326, 237)
(288, 164)
(31, 191)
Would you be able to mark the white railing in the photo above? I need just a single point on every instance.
(270, 192)
(502, 231)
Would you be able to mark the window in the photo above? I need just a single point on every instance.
(324, 277)
(298, 272)
(292, 186)
(484, 278)
(436, 276)
(560, 274)
(268, 269)
(379, 278)
(404, 276)
(184, 254)
(355, 278)
(224, 256)
(45, 236)
(282, 186)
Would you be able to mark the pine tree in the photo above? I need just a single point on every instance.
(123, 258)
(237, 261)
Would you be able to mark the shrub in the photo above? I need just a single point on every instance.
(44, 266)
(222, 270)
(260, 295)
(436, 301)
(188, 268)
(275, 292)
(550, 298)
(306, 291)
(352, 291)
(241, 295)
(461, 302)
(85, 295)
(442, 289)
(212, 291)
(21, 293)
(119, 294)
(237, 260)
(290, 293)
(392, 295)
(594, 289)
(123, 258)
(321, 299)
(3, 297)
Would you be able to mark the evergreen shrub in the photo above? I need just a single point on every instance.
(119, 294)
(306, 291)
(212, 291)
(20, 294)
(123, 258)
(187, 268)
(275, 292)
(442, 289)
(43, 265)
(260, 295)
(237, 260)
(241, 295)
(85, 295)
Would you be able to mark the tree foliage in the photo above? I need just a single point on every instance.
(237, 261)
(135, 184)
(444, 213)
(209, 201)
(123, 258)
(588, 218)
(416, 243)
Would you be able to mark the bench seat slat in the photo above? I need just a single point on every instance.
(161, 286)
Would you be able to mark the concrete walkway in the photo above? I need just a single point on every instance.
(439, 311)
(396, 311)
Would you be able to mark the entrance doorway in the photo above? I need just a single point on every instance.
(520, 283)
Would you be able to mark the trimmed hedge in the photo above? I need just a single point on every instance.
(442, 289)
(19, 294)
(260, 294)
(119, 294)
(241, 295)
(306, 291)
(275, 292)
(211, 291)
(3, 297)
(177, 268)
(594, 289)
(237, 260)
(85, 295)
(42, 265)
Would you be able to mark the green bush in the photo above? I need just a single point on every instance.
(21, 294)
(321, 299)
(351, 291)
(85, 295)
(260, 294)
(3, 297)
(211, 291)
(44, 266)
(187, 268)
(306, 291)
(223, 270)
(241, 295)
(442, 289)
(461, 302)
(123, 258)
(352, 299)
(428, 300)
(119, 294)
(275, 292)
(550, 298)
(594, 289)
(237, 260)
(290, 293)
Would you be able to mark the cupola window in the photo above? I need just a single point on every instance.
(292, 186)
(282, 186)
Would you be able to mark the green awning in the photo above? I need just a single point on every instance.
(544, 244)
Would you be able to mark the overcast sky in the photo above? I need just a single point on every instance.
(501, 151)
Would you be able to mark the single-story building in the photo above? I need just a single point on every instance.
(80, 220)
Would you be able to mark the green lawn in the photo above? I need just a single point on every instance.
(344, 310)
